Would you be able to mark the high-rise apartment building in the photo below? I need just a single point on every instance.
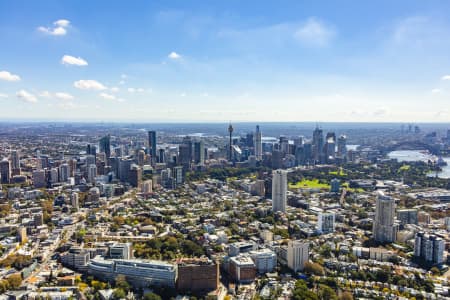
(325, 222)
(429, 248)
(258, 143)
(279, 190)
(152, 145)
(384, 229)
(297, 255)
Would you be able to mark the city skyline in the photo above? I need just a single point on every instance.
(216, 62)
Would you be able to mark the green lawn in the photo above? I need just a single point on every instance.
(339, 172)
(404, 168)
(310, 184)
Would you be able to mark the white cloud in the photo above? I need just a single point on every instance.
(71, 60)
(3, 96)
(135, 90)
(63, 96)
(124, 76)
(382, 111)
(107, 96)
(25, 96)
(5, 75)
(62, 23)
(122, 82)
(58, 28)
(45, 94)
(174, 55)
(114, 89)
(445, 77)
(89, 85)
(314, 33)
(183, 95)
(436, 91)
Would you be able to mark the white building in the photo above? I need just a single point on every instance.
(265, 260)
(325, 222)
(279, 190)
(140, 273)
(258, 143)
(297, 255)
(384, 229)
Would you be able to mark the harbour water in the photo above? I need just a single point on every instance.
(420, 155)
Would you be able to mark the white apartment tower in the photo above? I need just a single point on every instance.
(279, 190)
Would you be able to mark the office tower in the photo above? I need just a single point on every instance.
(72, 167)
(297, 255)
(184, 155)
(258, 143)
(63, 172)
(52, 175)
(429, 248)
(90, 159)
(342, 146)
(22, 235)
(317, 144)
(384, 229)
(188, 142)
(124, 169)
(15, 162)
(335, 185)
(74, 200)
(407, 216)
(279, 190)
(141, 157)
(43, 162)
(152, 145)
(105, 145)
(162, 156)
(325, 222)
(199, 152)
(230, 149)
(5, 171)
(135, 176)
(92, 173)
(330, 147)
(277, 159)
(178, 175)
(284, 144)
(147, 187)
(91, 150)
(39, 180)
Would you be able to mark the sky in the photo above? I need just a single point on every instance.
(216, 61)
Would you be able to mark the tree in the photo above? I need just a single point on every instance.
(326, 293)
(122, 283)
(346, 296)
(119, 293)
(14, 280)
(301, 292)
(152, 296)
(314, 268)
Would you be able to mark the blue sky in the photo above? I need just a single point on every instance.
(159, 61)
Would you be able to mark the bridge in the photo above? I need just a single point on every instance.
(411, 145)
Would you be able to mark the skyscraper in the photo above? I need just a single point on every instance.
(258, 143)
(317, 144)
(5, 171)
(342, 146)
(384, 229)
(15, 162)
(279, 190)
(297, 255)
(230, 149)
(152, 145)
(105, 145)
(429, 247)
(199, 152)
